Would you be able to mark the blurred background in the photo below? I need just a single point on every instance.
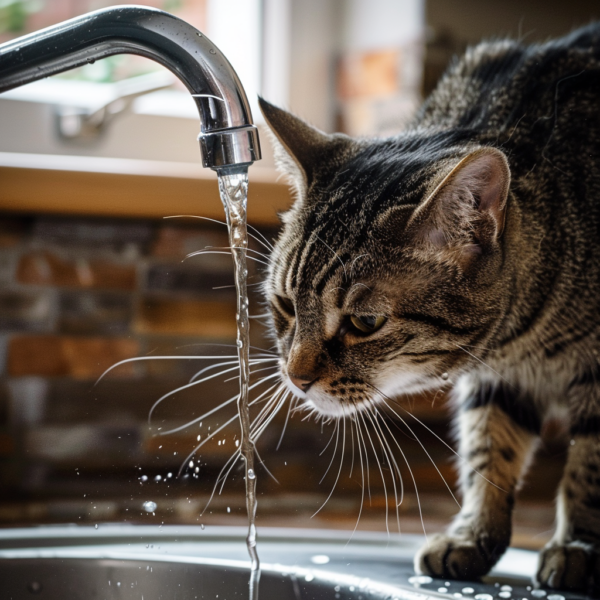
(92, 273)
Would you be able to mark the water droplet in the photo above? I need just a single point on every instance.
(201, 525)
(144, 478)
(229, 509)
(457, 595)
(212, 51)
(555, 597)
(442, 590)
(419, 579)
(319, 559)
(337, 588)
(467, 590)
(484, 597)
(191, 464)
(198, 34)
(351, 588)
(504, 594)
(309, 577)
(118, 584)
(149, 506)
(506, 588)
(445, 376)
(96, 525)
(538, 593)
(240, 344)
(35, 587)
(572, 442)
(251, 474)
(158, 478)
(169, 475)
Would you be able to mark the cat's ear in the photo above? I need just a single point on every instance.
(465, 213)
(300, 149)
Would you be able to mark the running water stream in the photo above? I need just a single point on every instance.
(233, 187)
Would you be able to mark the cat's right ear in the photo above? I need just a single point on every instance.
(300, 149)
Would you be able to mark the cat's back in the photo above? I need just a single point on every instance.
(497, 83)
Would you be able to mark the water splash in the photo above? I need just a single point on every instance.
(233, 187)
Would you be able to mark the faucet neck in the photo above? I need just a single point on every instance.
(226, 120)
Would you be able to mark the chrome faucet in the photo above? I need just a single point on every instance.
(228, 138)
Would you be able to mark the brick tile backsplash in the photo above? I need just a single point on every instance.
(189, 278)
(69, 356)
(27, 310)
(206, 318)
(90, 312)
(49, 268)
(178, 242)
(92, 233)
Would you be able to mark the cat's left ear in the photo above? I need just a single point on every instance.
(466, 211)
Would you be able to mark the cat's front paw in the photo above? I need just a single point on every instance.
(449, 557)
(574, 566)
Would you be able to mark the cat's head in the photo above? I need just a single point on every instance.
(387, 273)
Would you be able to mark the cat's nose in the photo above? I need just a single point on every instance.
(302, 382)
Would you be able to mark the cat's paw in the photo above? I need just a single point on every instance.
(573, 566)
(450, 557)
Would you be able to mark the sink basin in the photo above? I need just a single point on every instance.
(127, 562)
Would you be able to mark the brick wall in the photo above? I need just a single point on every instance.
(79, 295)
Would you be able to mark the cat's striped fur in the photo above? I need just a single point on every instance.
(475, 236)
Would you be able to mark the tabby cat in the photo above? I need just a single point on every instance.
(465, 250)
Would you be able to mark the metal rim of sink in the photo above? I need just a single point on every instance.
(298, 564)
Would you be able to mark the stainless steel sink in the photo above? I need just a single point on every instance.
(127, 562)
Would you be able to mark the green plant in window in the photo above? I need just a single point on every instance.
(14, 14)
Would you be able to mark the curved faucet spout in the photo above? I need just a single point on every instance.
(227, 137)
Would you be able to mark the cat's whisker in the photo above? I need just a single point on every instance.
(354, 261)
(336, 255)
(352, 437)
(387, 401)
(211, 248)
(387, 525)
(485, 365)
(266, 244)
(339, 470)
(336, 432)
(202, 252)
(252, 373)
(374, 417)
(287, 418)
(362, 474)
(208, 438)
(253, 361)
(412, 476)
(163, 357)
(210, 367)
(226, 287)
(224, 478)
(426, 452)
(237, 454)
(185, 387)
(361, 438)
(330, 439)
(219, 429)
(222, 405)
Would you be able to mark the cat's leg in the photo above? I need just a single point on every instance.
(497, 432)
(571, 560)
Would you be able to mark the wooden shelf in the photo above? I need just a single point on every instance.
(83, 185)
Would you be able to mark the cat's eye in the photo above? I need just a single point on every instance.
(367, 323)
(285, 305)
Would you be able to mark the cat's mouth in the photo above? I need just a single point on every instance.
(346, 396)
(337, 399)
